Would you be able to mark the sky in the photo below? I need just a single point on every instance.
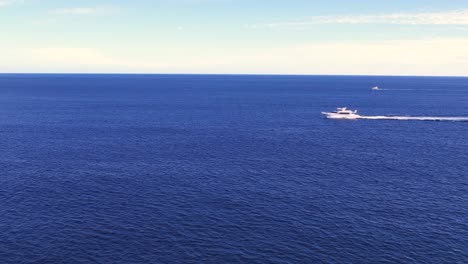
(359, 37)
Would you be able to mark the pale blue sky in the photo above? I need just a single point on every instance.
(235, 36)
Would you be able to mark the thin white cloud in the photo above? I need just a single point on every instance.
(398, 57)
(84, 11)
(455, 17)
(76, 56)
(7, 2)
(77, 59)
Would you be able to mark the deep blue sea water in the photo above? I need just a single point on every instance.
(231, 169)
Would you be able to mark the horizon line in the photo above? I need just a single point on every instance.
(227, 74)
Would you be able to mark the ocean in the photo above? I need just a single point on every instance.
(231, 169)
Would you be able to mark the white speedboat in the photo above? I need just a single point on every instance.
(342, 113)
(375, 88)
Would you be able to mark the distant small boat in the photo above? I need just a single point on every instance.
(375, 88)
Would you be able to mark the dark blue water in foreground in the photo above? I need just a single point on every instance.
(231, 169)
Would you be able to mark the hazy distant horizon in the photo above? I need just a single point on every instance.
(227, 74)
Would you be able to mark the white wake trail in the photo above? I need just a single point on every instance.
(416, 118)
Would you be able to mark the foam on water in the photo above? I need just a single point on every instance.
(417, 118)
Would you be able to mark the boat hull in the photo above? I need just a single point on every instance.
(340, 116)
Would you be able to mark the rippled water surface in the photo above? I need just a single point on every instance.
(231, 169)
